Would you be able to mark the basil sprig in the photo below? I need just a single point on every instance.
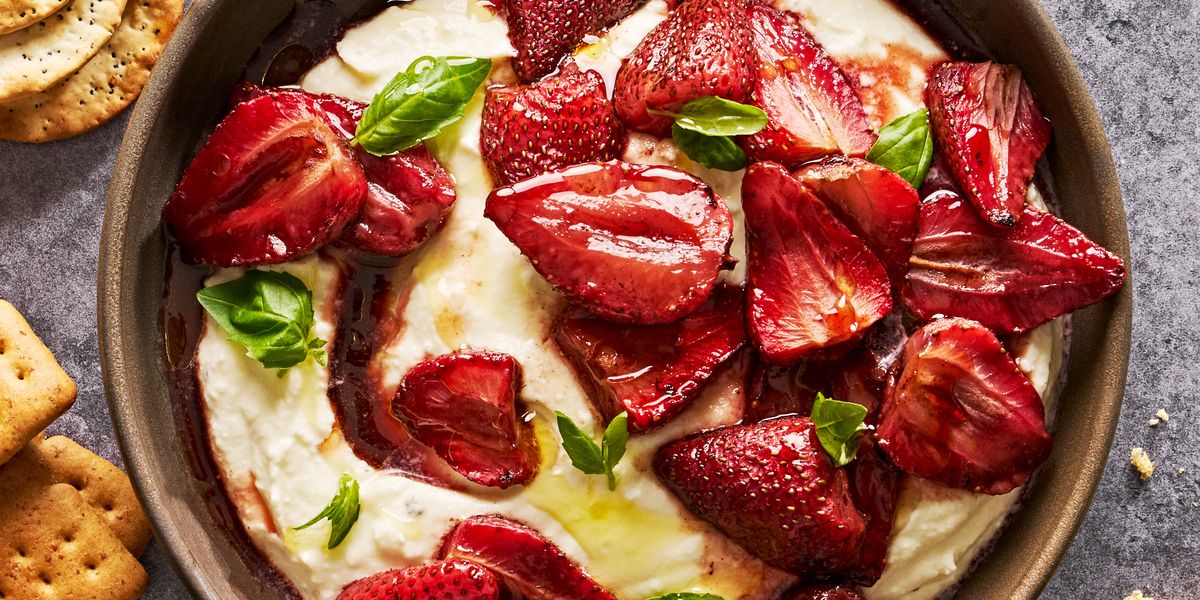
(687, 596)
(704, 129)
(419, 102)
(839, 427)
(342, 511)
(905, 147)
(593, 458)
(268, 313)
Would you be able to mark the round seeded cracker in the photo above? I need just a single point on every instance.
(104, 87)
(19, 14)
(37, 57)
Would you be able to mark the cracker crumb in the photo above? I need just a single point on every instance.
(1162, 414)
(1141, 461)
(1154, 421)
(1137, 595)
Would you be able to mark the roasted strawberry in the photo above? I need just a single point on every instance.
(545, 31)
(813, 109)
(772, 489)
(445, 580)
(630, 243)
(273, 182)
(875, 487)
(531, 565)
(773, 391)
(465, 406)
(700, 50)
(876, 204)
(1010, 280)
(822, 591)
(959, 412)
(652, 372)
(812, 283)
(563, 120)
(991, 133)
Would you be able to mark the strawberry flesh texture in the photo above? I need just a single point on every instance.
(444, 580)
(272, 183)
(465, 406)
(531, 565)
(563, 120)
(822, 591)
(960, 413)
(545, 31)
(700, 50)
(1010, 280)
(652, 372)
(991, 133)
(629, 243)
(812, 284)
(771, 488)
(812, 108)
(876, 204)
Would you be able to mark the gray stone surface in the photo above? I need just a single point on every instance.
(1140, 58)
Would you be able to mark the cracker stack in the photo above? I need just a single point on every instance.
(68, 66)
(70, 524)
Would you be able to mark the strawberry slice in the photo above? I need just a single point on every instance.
(444, 580)
(465, 406)
(630, 243)
(700, 50)
(652, 372)
(531, 565)
(959, 412)
(545, 31)
(560, 121)
(273, 182)
(772, 489)
(1010, 280)
(991, 133)
(812, 107)
(812, 283)
(875, 487)
(822, 591)
(773, 391)
(876, 204)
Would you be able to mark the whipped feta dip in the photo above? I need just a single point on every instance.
(280, 452)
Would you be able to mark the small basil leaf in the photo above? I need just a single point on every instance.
(269, 313)
(712, 152)
(905, 147)
(839, 425)
(687, 596)
(342, 512)
(613, 446)
(715, 116)
(585, 454)
(418, 103)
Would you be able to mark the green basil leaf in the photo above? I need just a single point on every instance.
(418, 103)
(342, 511)
(585, 454)
(905, 147)
(687, 596)
(713, 152)
(713, 116)
(839, 425)
(269, 313)
(613, 446)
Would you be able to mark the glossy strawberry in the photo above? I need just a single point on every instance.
(812, 284)
(875, 487)
(465, 406)
(959, 412)
(630, 243)
(1008, 279)
(991, 133)
(652, 372)
(272, 183)
(822, 591)
(813, 109)
(772, 489)
(563, 120)
(876, 204)
(531, 565)
(445, 580)
(700, 50)
(545, 31)
(773, 391)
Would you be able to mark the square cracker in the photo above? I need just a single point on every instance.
(53, 546)
(34, 390)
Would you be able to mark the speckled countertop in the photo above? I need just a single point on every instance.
(1142, 63)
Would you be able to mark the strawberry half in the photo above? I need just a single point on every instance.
(531, 565)
(273, 182)
(991, 133)
(563, 120)
(630, 243)
(876, 204)
(1010, 280)
(813, 109)
(773, 391)
(812, 284)
(959, 412)
(700, 50)
(652, 372)
(545, 31)
(465, 406)
(822, 591)
(875, 487)
(445, 580)
(772, 489)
